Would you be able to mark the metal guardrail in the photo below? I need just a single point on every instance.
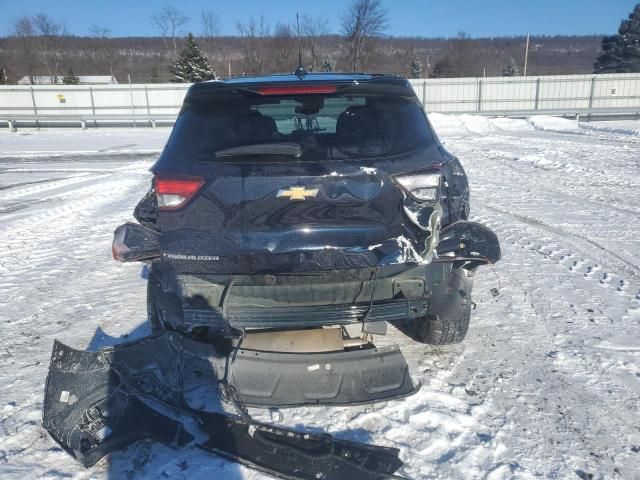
(568, 95)
(69, 119)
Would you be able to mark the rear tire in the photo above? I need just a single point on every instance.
(434, 330)
(449, 313)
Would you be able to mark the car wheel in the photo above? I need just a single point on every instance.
(449, 313)
(153, 314)
(435, 330)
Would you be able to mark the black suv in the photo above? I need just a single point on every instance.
(298, 202)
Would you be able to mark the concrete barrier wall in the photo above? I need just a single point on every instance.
(564, 93)
(490, 95)
(51, 100)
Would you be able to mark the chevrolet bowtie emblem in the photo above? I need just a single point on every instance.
(297, 193)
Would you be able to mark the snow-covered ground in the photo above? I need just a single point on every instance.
(546, 385)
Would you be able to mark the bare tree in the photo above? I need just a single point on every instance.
(105, 52)
(25, 35)
(98, 31)
(169, 21)
(313, 28)
(50, 40)
(362, 23)
(210, 22)
(284, 48)
(253, 34)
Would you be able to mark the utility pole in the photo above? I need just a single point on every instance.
(526, 56)
(133, 108)
(229, 68)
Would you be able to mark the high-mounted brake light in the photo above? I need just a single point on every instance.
(175, 193)
(297, 89)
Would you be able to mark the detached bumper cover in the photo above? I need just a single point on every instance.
(343, 378)
(159, 366)
(98, 402)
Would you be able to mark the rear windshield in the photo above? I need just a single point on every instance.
(325, 126)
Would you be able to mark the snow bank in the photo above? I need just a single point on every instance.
(464, 123)
(628, 127)
(565, 125)
(555, 124)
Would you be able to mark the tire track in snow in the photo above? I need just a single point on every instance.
(566, 298)
(632, 269)
(571, 398)
(40, 252)
(63, 284)
(12, 192)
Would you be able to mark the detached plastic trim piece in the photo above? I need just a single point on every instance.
(294, 455)
(335, 378)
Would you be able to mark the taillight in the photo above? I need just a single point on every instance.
(173, 193)
(422, 186)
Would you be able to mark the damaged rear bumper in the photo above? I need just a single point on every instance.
(163, 365)
(98, 402)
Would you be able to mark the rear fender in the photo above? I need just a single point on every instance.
(133, 242)
(470, 243)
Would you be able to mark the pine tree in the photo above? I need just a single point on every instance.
(3, 76)
(70, 78)
(621, 52)
(415, 68)
(444, 68)
(192, 65)
(328, 65)
(511, 69)
(155, 78)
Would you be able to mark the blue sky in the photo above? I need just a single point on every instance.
(428, 18)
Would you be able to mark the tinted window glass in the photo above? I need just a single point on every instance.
(330, 127)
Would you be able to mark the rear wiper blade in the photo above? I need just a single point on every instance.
(288, 148)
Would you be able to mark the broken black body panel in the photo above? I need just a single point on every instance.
(98, 402)
(298, 456)
(91, 409)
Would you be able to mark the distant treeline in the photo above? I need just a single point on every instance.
(147, 59)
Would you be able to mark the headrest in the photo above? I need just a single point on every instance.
(358, 122)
